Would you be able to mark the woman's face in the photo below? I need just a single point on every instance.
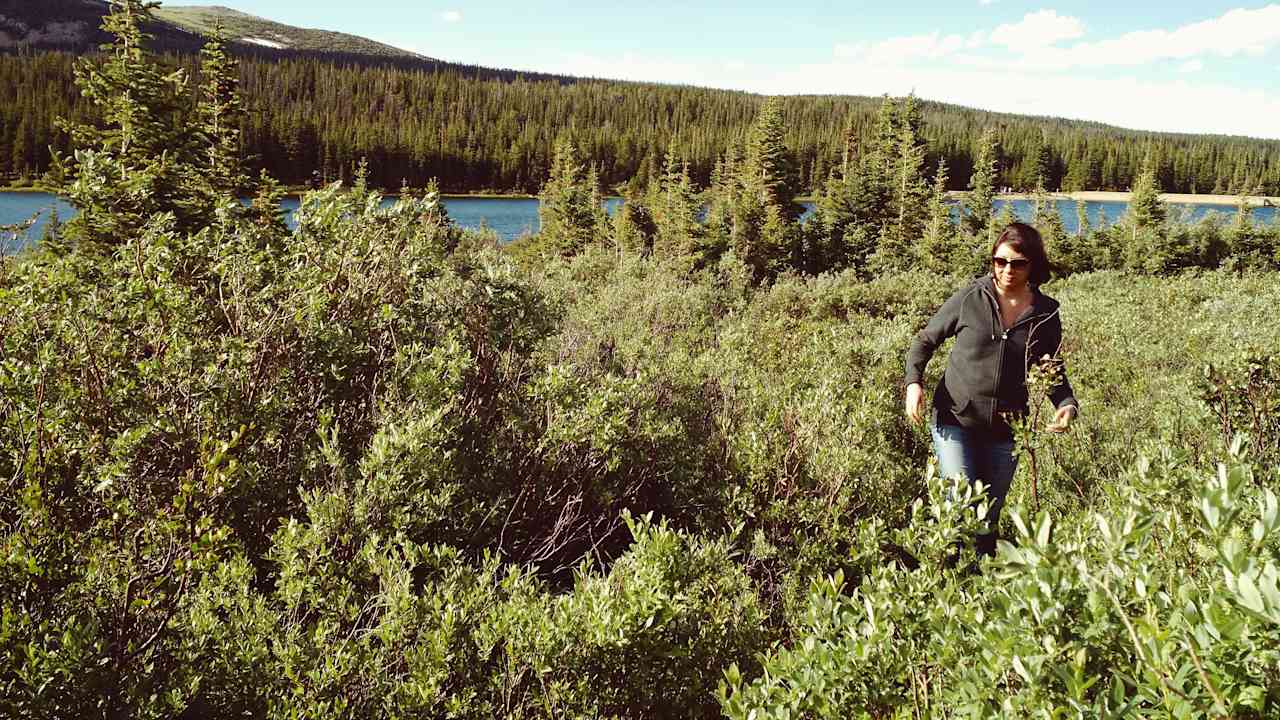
(1010, 268)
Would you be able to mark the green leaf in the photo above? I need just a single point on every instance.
(1247, 594)
(1046, 528)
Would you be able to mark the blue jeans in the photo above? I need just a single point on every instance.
(964, 452)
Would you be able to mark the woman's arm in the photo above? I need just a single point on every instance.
(940, 327)
(1061, 395)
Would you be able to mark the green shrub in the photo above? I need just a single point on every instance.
(1164, 607)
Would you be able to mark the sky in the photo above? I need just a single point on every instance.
(1201, 67)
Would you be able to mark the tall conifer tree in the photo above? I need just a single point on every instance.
(910, 190)
(938, 242)
(136, 165)
(980, 203)
(767, 169)
(676, 210)
(220, 111)
(568, 220)
(1146, 209)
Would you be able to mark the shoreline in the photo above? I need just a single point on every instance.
(25, 189)
(299, 191)
(1100, 196)
(1093, 196)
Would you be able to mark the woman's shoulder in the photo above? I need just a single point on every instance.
(1045, 303)
(976, 284)
(1044, 297)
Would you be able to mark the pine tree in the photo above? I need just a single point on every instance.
(1076, 255)
(721, 198)
(938, 244)
(767, 169)
(1147, 249)
(849, 145)
(1077, 177)
(1046, 217)
(1242, 231)
(568, 220)
(220, 111)
(21, 157)
(1146, 210)
(599, 215)
(676, 210)
(910, 190)
(633, 227)
(874, 183)
(764, 231)
(1038, 167)
(826, 229)
(980, 203)
(138, 164)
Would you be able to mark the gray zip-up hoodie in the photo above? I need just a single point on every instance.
(986, 374)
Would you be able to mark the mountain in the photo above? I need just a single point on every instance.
(51, 24)
(249, 29)
(74, 26)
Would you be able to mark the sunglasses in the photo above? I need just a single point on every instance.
(1017, 263)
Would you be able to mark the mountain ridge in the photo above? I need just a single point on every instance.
(75, 26)
(242, 27)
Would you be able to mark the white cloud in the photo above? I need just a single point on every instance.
(634, 66)
(1236, 32)
(1037, 30)
(1175, 105)
(906, 49)
(1178, 104)
(984, 3)
(1040, 41)
(451, 16)
(1040, 65)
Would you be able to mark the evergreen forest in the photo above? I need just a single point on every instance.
(647, 465)
(311, 118)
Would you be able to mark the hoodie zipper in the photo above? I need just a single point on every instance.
(996, 321)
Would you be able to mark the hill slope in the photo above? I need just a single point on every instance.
(249, 29)
(74, 26)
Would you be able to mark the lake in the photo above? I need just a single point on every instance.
(512, 217)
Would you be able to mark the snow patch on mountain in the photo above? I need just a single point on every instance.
(265, 43)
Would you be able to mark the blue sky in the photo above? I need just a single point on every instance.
(1203, 66)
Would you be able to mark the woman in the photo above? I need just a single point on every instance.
(1000, 322)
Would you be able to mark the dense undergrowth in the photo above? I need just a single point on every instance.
(379, 467)
(361, 474)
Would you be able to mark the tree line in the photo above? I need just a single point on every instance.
(310, 120)
(885, 211)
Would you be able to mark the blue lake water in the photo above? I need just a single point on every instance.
(512, 217)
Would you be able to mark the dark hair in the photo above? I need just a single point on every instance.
(1026, 240)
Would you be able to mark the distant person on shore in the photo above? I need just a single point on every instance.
(1001, 323)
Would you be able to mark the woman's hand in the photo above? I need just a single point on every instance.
(1062, 419)
(914, 406)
